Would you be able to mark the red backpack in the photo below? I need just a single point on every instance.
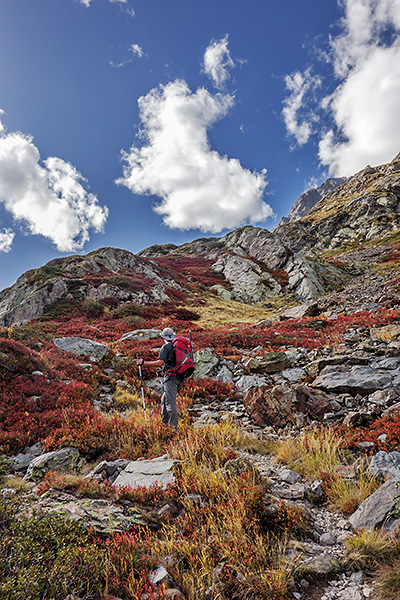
(184, 357)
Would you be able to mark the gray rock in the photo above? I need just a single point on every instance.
(108, 470)
(356, 379)
(246, 382)
(273, 362)
(224, 375)
(292, 492)
(384, 397)
(309, 309)
(83, 347)
(20, 462)
(290, 476)
(315, 367)
(380, 510)
(36, 449)
(222, 292)
(294, 375)
(206, 362)
(145, 473)
(384, 465)
(316, 493)
(296, 355)
(63, 461)
(140, 334)
(322, 565)
(327, 539)
(159, 576)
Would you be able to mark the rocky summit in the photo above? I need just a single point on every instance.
(282, 481)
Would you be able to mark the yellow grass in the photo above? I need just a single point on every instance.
(368, 549)
(217, 311)
(311, 454)
(320, 455)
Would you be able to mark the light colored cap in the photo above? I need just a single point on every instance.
(168, 334)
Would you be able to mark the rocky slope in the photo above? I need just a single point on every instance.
(310, 198)
(69, 386)
(248, 265)
(364, 210)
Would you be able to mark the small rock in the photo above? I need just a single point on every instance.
(159, 576)
(327, 539)
(290, 476)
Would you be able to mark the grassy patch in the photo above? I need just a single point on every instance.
(321, 455)
(216, 311)
(369, 549)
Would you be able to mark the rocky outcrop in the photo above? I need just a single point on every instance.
(258, 265)
(250, 283)
(310, 198)
(108, 272)
(365, 208)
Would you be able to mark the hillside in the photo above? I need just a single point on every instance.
(309, 199)
(281, 482)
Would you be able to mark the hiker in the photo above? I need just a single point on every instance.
(171, 381)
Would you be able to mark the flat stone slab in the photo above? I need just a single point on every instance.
(146, 473)
(82, 347)
(357, 379)
(102, 515)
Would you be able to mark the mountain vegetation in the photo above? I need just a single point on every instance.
(281, 481)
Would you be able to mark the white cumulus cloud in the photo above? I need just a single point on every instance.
(364, 106)
(198, 187)
(48, 200)
(218, 62)
(6, 239)
(299, 85)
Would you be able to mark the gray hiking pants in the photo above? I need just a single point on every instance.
(169, 411)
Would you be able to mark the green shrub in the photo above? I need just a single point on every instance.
(47, 556)
(93, 309)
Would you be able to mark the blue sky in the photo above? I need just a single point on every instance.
(127, 123)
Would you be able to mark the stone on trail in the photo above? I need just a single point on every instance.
(380, 510)
(145, 473)
(82, 347)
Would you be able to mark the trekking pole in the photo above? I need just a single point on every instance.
(141, 385)
(191, 341)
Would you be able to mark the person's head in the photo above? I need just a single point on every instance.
(168, 334)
